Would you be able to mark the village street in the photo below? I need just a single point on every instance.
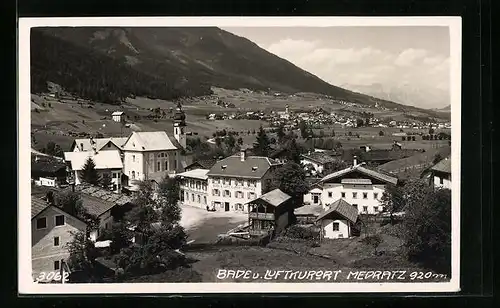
(204, 227)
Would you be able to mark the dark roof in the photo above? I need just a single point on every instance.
(102, 194)
(46, 165)
(96, 206)
(37, 206)
(319, 157)
(443, 166)
(275, 197)
(252, 167)
(204, 163)
(342, 208)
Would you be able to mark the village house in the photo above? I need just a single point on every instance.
(318, 160)
(358, 185)
(118, 116)
(338, 221)
(98, 144)
(201, 164)
(51, 230)
(238, 179)
(151, 156)
(193, 187)
(441, 174)
(106, 162)
(273, 211)
(47, 171)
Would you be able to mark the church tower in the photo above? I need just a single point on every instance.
(180, 126)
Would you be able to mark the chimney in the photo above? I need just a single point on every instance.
(243, 155)
(355, 160)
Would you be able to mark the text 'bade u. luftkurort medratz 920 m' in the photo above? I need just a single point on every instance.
(328, 275)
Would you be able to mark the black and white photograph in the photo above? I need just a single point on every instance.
(235, 155)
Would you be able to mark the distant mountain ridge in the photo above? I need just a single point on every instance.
(110, 64)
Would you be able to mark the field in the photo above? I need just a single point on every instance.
(54, 120)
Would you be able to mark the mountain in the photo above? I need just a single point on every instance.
(406, 94)
(110, 64)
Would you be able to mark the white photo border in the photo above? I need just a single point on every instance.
(25, 281)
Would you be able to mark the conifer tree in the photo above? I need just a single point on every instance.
(89, 173)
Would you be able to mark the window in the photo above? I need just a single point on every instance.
(330, 194)
(198, 185)
(175, 164)
(60, 220)
(41, 223)
(239, 183)
(56, 241)
(158, 166)
(441, 181)
(199, 199)
(365, 195)
(227, 193)
(216, 180)
(355, 205)
(354, 195)
(227, 181)
(342, 194)
(162, 155)
(133, 158)
(252, 183)
(57, 265)
(205, 199)
(109, 145)
(341, 235)
(187, 195)
(375, 195)
(192, 197)
(216, 192)
(133, 175)
(365, 209)
(335, 226)
(166, 165)
(251, 195)
(159, 155)
(375, 208)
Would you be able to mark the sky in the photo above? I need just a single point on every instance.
(410, 59)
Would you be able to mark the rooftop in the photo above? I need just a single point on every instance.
(102, 160)
(251, 167)
(200, 174)
(37, 206)
(360, 168)
(102, 194)
(443, 166)
(117, 113)
(150, 141)
(86, 144)
(342, 208)
(275, 197)
(204, 163)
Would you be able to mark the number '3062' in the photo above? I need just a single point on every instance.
(49, 276)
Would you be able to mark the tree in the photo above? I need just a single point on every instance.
(262, 147)
(106, 181)
(304, 130)
(240, 141)
(291, 179)
(392, 200)
(82, 252)
(169, 191)
(427, 230)
(431, 131)
(89, 173)
(230, 142)
(280, 133)
(381, 133)
(359, 122)
(120, 236)
(335, 166)
(293, 151)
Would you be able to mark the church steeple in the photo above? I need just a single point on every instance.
(179, 125)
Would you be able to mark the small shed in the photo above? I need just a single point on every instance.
(338, 220)
(273, 211)
(118, 116)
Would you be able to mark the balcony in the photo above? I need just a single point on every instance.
(261, 216)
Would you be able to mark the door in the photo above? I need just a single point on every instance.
(315, 199)
(226, 206)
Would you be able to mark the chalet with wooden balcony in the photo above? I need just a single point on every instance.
(271, 212)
